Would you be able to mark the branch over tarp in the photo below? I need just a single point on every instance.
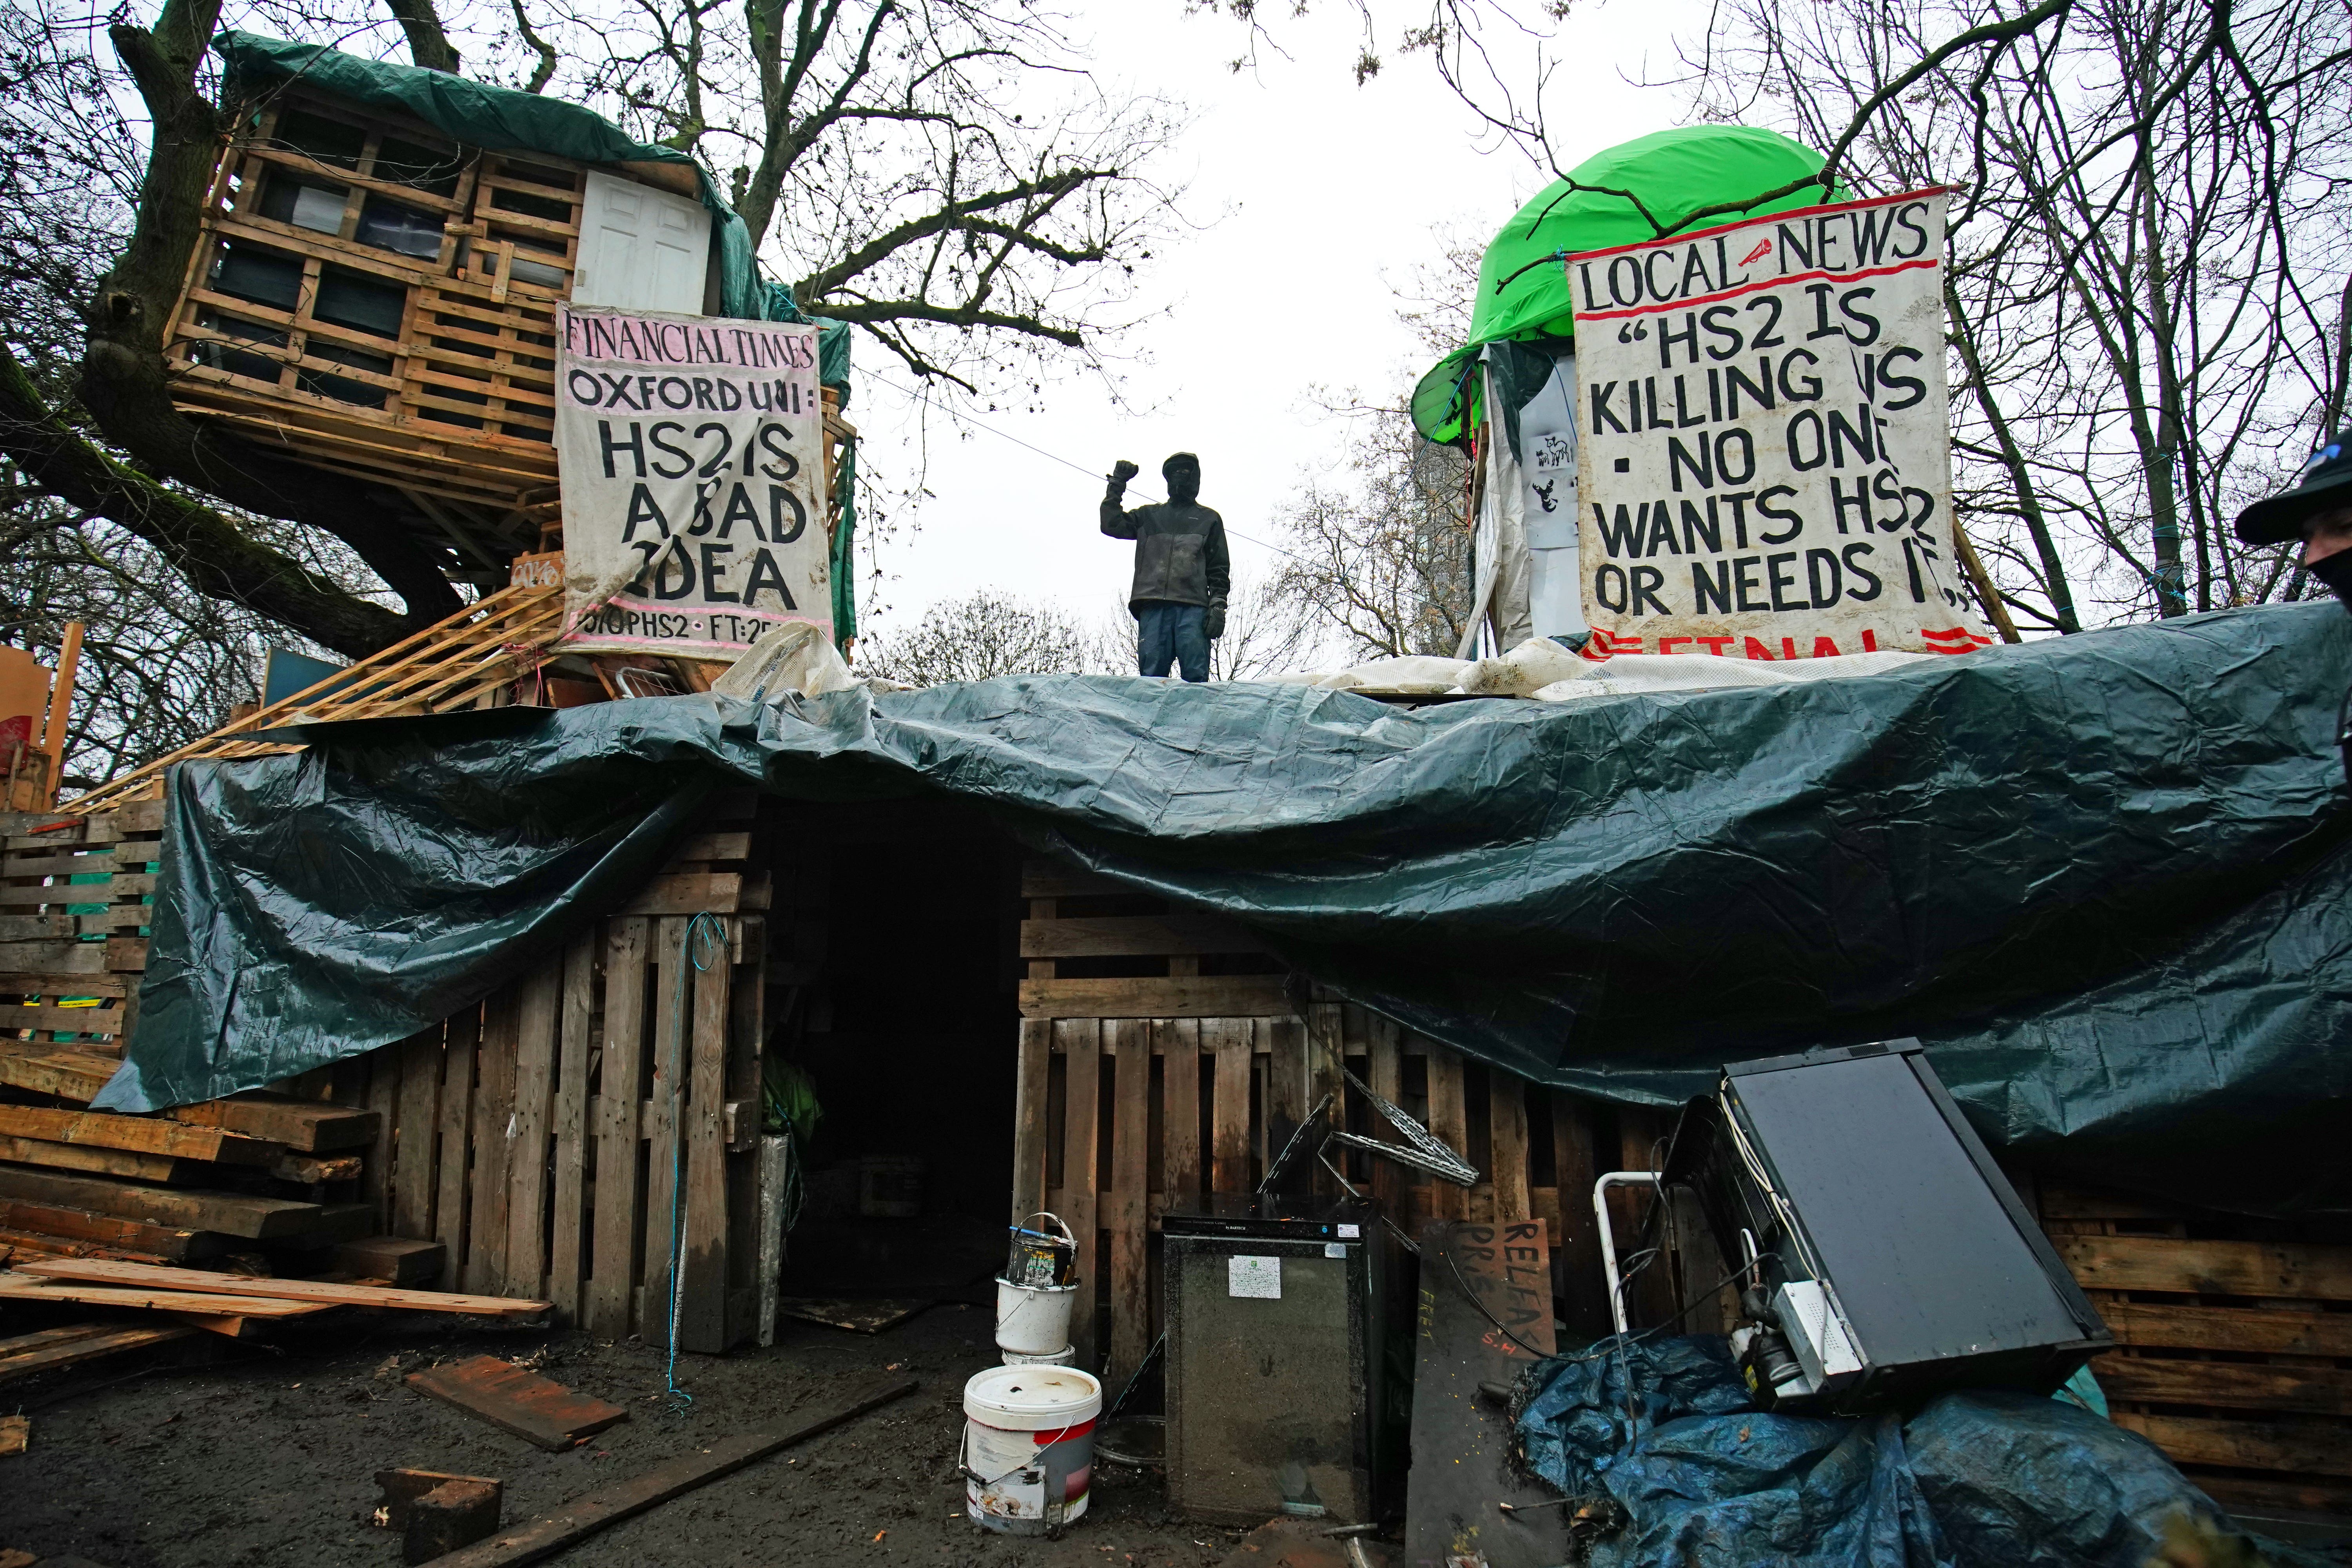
(2107, 878)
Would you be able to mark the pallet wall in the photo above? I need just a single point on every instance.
(74, 893)
(2235, 1353)
(1177, 1075)
(549, 1136)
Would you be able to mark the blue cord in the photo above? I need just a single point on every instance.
(713, 932)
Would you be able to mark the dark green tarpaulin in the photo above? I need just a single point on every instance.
(2104, 878)
(503, 119)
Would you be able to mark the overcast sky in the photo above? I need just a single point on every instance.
(1319, 196)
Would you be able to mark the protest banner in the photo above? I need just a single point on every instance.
(1766, 438)
(691, 455)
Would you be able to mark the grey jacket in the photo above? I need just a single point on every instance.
(1180, 552)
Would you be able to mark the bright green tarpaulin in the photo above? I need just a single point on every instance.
(503, 119)
(1673, 174)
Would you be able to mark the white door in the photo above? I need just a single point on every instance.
(640, 248)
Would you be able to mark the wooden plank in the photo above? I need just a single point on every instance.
(414, 1118)
(1326, 1058)
(551, 1532)
(1508, 1140)
(79, 1226)
(37, 928)
(453, 1124)
(381, 1067)
(702, 1306)
(1582, 1297)
(1462, 1447)
(19, 1286)
(331, 1293)
(144, 1134)
(1230, 1041)
(537, 1017)
(1044, 879)
(1130, 1044)
(1649, 1294)
(619, 1214)
(715, 892)
(2209, 1268)
(1177, 996)
(530, 1406)
(1081, 1043)
(1283, 1042)
(1179, 1040)
(2297, 1448)
(1449, 1121)
(1177, 931)
(49, 958)
(1384, 1075)
(487, 1196)
(1034, 1051)
(2235, 1385)
(664, 1112)
(306, 1127)
(231, 1214)
(26, 1354)
(123, 1163)
(709, 846)
(575, 1041)
(2261, 1331)
(63, 1020)
(2062, 1202)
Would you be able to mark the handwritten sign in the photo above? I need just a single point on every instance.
(1766, 468)
(691, 455)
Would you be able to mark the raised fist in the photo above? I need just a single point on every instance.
(1122, 471)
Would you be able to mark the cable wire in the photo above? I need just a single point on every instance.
(1057, 458)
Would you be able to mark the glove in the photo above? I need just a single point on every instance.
(1122, 471)
(1213, 624)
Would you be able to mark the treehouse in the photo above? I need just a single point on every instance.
(381, 255)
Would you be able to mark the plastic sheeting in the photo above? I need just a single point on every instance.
(2104, 878)
(1978, 1480)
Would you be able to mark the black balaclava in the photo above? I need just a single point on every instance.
(2336, 571)
(1182, 472)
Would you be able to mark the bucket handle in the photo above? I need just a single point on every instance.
(1067, 1235)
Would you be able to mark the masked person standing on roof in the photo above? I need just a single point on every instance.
(1181, 572)
(2318, 511)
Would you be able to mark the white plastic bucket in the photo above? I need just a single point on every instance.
(1032, 1318)
(1062, 1357)
(1028, 1446)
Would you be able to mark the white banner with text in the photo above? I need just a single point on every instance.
(1766, 462)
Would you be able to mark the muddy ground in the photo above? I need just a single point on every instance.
(265, 1453)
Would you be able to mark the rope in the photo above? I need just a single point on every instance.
(695, 954)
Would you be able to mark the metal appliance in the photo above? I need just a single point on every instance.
(1277, 1399)
(1886, 1255)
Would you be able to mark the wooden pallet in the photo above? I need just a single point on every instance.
(455, 408)
(74, 895)
(2235, 1355)
(460, 662)
(574, 1061)
(1126, 1111)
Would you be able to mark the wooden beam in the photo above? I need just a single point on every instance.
(330, 1292)
(583, 1516)
(2229, 1384)
(231, 1214)
(2209, 1268)
(52, 1349)
(81, 1226)
(143, 1134)
(2297, 1448)
(1195, 996)
(2259, 1330)
(1144, 935)
(304, 1126)
(19, 1286)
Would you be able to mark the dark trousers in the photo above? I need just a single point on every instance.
(1166, 634)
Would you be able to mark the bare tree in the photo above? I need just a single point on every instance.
(1383, 556)
(978, 637)
(943, 173)
(2145, 301)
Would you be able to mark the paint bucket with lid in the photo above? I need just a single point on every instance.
(1043, 1254)
(1028, 1446)
(1065, 1356)
(1032, 1318)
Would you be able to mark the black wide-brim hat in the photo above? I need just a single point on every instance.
(2325, 484)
